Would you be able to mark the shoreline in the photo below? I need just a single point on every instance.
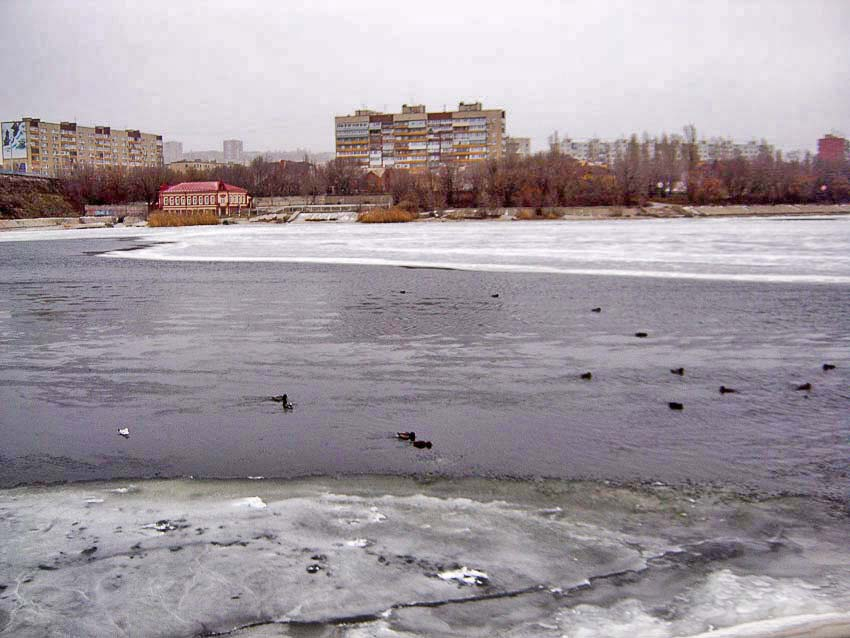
(579, 213)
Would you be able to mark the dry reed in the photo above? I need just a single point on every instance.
(386, 216)
(200, 218)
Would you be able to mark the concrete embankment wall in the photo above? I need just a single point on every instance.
(322, 200)
(134, 209)
(643, 212)
(44, 223)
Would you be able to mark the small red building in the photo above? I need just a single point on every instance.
(832, 148)
(215, 197)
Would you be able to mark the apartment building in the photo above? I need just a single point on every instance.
(233, 150)
(172, 152)
(47, 148)
(606, 152)
(833, 148)
(184, 166)
(416, 139)
(518, 146)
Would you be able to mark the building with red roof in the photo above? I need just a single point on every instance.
(205, 197)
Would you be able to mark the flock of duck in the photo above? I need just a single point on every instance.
(410, 437)
(675, 405)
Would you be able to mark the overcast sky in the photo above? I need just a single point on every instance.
(274, 73)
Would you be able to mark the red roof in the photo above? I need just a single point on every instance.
(203, 187)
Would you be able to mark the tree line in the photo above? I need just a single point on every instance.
(668, 169)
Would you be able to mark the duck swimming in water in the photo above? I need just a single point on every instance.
(587, 376)
(285, 401)
(805, 387)
(828, 366)
(679, 371)
(725, 390)
(641, 335)
(675, 406)
(406, 436)
(596, 310)
(422, 444)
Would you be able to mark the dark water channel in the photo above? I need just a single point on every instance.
(186, 354)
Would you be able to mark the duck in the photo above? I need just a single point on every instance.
(725, 390)
(125, 432)
(587, 376)
(422, 444)
(596, 310)
(641, 335)
(283, 399)
(495, 295)
(828, 366)
(679, 371)
(673, 405)
(805, 387)
(406, 436)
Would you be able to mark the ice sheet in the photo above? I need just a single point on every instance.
(397, 557)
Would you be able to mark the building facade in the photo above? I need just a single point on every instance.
(47, 148)
(416, 139)
(219, 198)
(172, 152)
(232, 151)
(606, 152)
(518, 146)
(184, 166)
(833, 148)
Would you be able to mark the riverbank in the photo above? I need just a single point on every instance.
(582, 213)
(650, 211)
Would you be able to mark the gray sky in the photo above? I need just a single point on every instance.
(274, 73)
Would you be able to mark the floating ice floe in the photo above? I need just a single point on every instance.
(124, 490)
(359, 542)
(465, 576)
(254, 502)
(94, 500)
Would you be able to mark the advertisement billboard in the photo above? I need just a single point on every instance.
(14, 140)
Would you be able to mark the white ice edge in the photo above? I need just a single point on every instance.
(480, 267)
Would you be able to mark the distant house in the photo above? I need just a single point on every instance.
(184, 166)
(214, 197)
(295, 169)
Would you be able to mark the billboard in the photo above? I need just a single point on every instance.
(14, 140)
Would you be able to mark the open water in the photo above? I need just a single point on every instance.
(475, 336)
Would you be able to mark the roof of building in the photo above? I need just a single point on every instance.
(203, 187)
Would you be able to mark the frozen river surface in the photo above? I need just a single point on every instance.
(475, 335)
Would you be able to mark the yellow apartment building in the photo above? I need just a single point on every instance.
(416, 139)
(48, 148)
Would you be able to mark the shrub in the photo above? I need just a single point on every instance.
(200, 218)
(386, 216)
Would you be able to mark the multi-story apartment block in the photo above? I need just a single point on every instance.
(518, 146)
(184, 166)
(47, 148)
(606, 152)
(832, 148)
(172, 152)
(415, 139)
(232, 151)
